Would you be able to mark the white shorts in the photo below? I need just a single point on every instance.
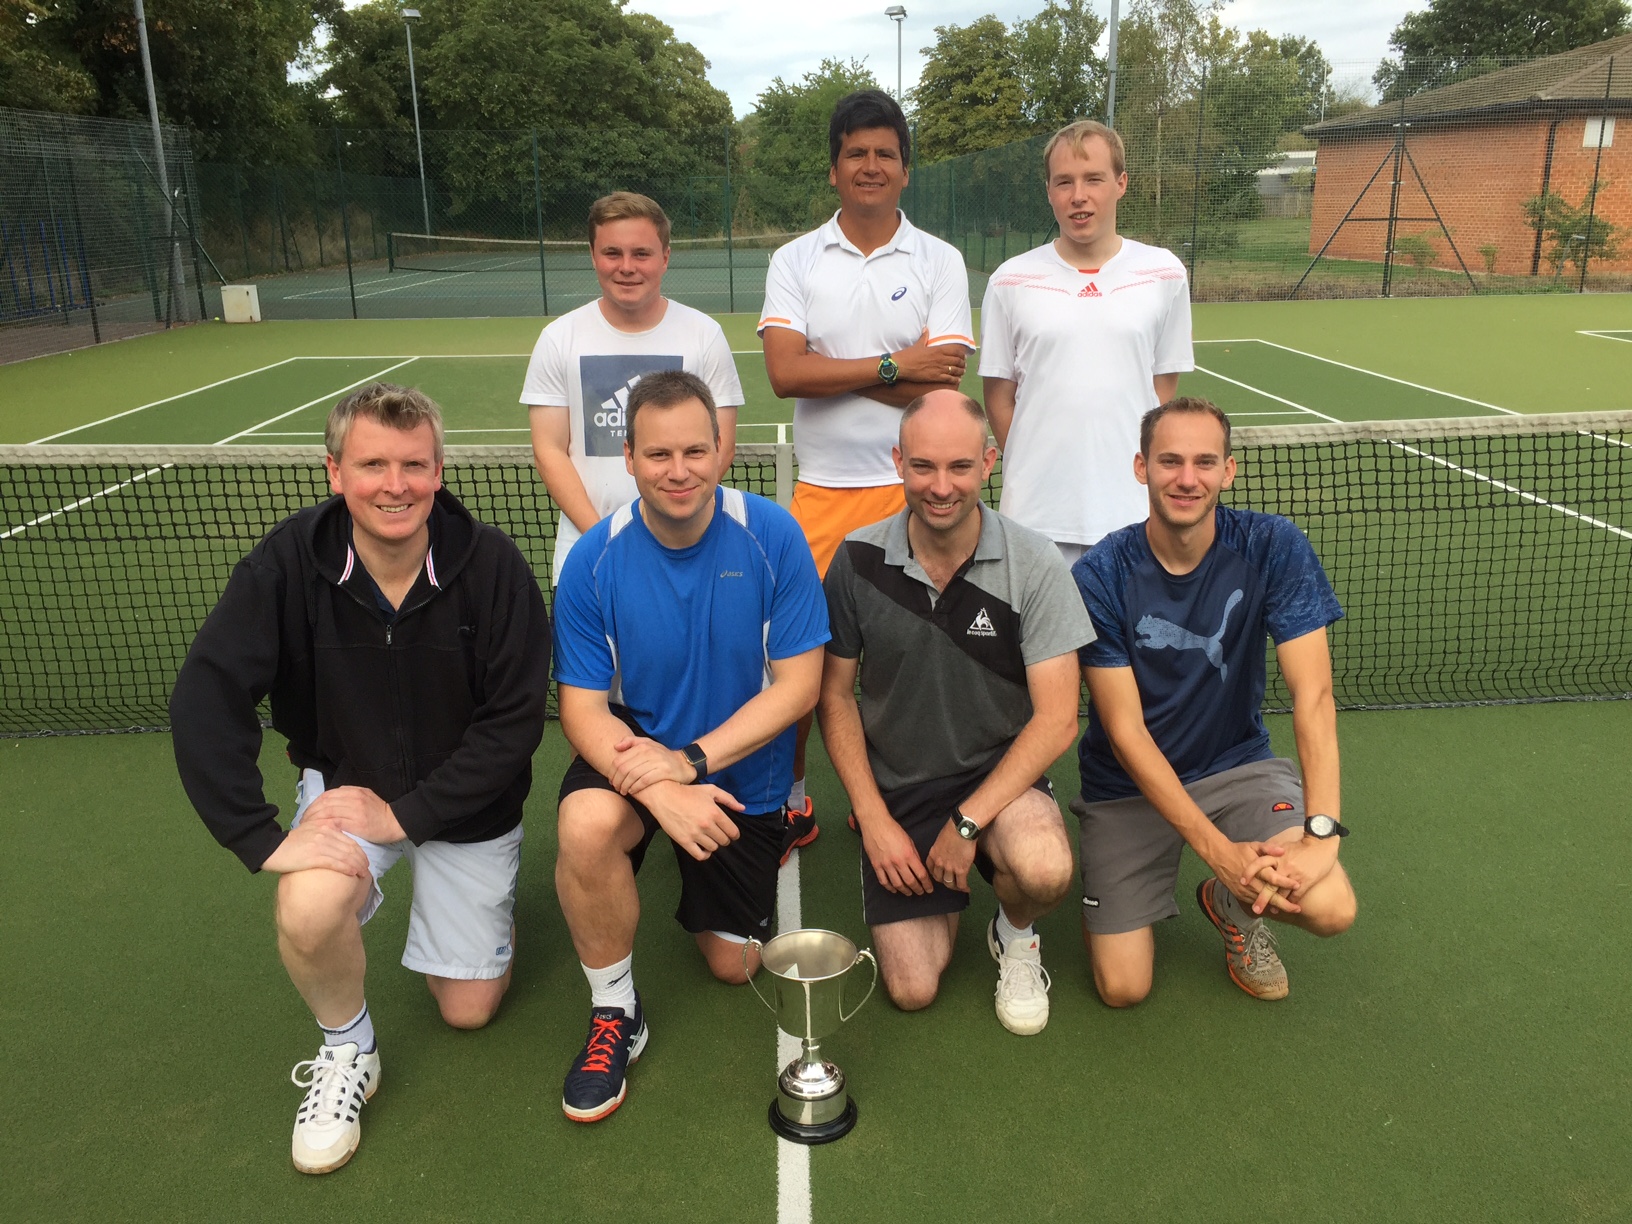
(464, 896)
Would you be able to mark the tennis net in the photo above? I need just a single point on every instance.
(1478, 559)
(452, 253)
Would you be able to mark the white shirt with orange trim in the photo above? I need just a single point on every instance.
(1082, 345)
(849, 305)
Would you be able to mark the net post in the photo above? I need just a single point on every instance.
(538, 210)
(784, 474)
(345, 219)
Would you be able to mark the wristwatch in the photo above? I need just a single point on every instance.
(696, 758)
(1323, 826)
(967, 829)
(888, 371)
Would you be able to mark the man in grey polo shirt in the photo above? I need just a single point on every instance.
(964, 627)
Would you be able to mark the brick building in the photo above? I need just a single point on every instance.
(1481, 148)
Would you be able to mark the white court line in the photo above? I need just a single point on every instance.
(1390, 378)
(395, 356)
(1236, 416)
(86, 500)
(1267, 395)
(319, 400)
(1622, 334)
(1470, 473)
(168, 399)
(414, 285)
(792, 1159)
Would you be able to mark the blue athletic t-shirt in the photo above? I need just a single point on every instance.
(684, 637)
(1196, 641)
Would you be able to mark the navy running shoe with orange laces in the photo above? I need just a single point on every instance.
(800, 829)
(595, 1085)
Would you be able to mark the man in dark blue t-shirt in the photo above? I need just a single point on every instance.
(692, 626)
(1176, 750)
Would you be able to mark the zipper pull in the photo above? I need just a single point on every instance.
(388, 635)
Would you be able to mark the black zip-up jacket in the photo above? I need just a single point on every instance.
(438, 712)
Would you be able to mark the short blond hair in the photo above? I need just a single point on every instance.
(1075, 135)
(628, 206)
(404, 408)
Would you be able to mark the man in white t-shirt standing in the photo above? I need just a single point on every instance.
(862, 316)
(586, 362)
(1079, 339)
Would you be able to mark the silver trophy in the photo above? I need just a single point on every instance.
(809, 968)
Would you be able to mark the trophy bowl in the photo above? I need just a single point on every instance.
(808, 968)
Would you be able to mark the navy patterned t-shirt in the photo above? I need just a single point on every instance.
(1196, 641)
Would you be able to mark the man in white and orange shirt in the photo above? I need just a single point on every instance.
(861, 317)
(1079, 339)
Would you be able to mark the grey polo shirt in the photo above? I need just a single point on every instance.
(943, 673)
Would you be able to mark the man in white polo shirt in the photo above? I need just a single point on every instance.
(1079, 339)
(861, 317)
(586, 362)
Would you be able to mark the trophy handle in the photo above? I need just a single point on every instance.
(874, 962)
(750, 976)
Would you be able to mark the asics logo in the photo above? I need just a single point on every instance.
(899, 294)
(1158, 634)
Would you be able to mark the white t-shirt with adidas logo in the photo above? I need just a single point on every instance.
(585, 364)
(1082, 345)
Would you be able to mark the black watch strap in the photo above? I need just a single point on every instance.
(696, 758)
(967, 829)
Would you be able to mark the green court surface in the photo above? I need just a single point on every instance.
(1459, 1055)
(1266, 363)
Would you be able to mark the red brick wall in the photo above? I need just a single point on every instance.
(1479, 176)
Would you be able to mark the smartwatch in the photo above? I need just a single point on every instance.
(967, 829)
(1323, 826)
(888, 371)
(696, 758)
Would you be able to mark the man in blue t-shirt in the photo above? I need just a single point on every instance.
(1176, 751)
(690, 632)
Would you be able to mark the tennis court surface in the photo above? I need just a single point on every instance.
(1457, 1056)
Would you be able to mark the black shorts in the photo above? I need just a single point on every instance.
(734, 889)
(923, 809)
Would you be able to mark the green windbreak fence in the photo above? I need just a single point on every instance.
(1271, 178)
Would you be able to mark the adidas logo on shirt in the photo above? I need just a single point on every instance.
(1090, 290)
(982, 626)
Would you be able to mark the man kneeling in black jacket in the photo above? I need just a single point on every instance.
(406, 651)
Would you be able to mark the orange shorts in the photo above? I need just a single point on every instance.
(828, 515)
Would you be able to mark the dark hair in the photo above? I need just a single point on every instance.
(669, 389)
(404, 408)
(864, 109)
(1182, 403)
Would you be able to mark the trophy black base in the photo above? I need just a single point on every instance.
(798, 1132)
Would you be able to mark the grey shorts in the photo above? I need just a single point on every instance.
(1130, 855)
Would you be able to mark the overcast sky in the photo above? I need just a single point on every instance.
(748, 44)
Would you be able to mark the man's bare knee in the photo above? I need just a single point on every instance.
(1046, 880)
(316, 905)
(1332, 918)
(912, 994)
(1121, 992)
(468, 1004)
(726, 960)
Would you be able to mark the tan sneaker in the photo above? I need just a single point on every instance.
(1249, 951)
(327, 1130)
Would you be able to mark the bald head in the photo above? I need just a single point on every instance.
(945, 414)
(944, 461)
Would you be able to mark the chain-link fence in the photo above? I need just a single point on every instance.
(90, 249)
(1268, 179)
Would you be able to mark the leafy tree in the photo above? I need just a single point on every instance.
(1564, 228)
(970, 95)
(1452, 40)
(1062, 78)
(38, 67)
(783, 155)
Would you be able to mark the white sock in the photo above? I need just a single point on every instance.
(1007, 931)
(796, 795)
(613, 986)
(360, 1028)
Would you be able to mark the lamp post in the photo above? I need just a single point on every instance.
(897, 14)
(1110, 61)
(177, 276)
(409, 16)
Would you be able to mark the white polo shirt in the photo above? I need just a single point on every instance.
(583, 363)
(850, 305)
(1082, 345)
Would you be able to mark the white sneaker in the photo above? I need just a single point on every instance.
(326, 1128)
(1022, 982)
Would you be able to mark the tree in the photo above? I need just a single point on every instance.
(783, 154)
(1452, 40)
(1061, 77)
(970, 95)
(1564, 228)
(38, 67)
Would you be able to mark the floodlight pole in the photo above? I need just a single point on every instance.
(409, 16)
(1110, 62)
(177, 276)
(897, 14)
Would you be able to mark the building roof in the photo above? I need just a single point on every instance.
(1569, 81)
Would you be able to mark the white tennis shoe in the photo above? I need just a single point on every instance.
(1022, 982)
(339, 1083)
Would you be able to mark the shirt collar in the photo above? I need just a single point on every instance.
(905, 238)
(898, 546)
